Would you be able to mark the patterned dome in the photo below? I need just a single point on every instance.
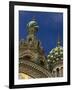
(56, 54)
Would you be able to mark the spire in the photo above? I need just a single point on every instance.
(58, 42)
(33, 18)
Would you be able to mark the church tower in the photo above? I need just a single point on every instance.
(32, 59)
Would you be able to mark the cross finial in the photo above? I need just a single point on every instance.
(33, 18)
(58, 42)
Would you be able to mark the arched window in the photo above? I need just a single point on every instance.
(30, 39)
(41, 62)
(27, 57)
(57, 71)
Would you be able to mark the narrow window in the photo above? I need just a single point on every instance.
(57, 71)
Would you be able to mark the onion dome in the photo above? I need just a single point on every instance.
(32, 23)
(56, 54)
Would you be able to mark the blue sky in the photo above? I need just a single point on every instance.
(50, 23)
